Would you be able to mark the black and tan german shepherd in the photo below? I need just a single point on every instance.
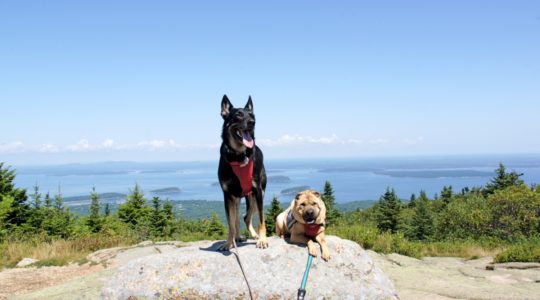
(241, 171)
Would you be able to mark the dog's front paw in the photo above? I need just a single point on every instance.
(262, 243)
(325, 255)
(226, 246)
(240, 239)
(312, 251)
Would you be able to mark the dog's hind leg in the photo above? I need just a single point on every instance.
(232, 206)
(251, 205)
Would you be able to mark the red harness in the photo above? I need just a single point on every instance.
(311, 230)
(244, 175)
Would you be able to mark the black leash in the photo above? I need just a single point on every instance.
(242, 268)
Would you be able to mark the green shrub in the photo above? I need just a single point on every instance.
(525, 251)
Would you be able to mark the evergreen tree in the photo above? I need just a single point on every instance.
(270, 218)
(388, 209)
(48, 200)
(168, 211)
(135, 210)
(447, 194)
(216, 229)
(107, 210)
(59, 200)
(19, 211)
(412, 201)
(422, 220)
(94, 220)
(37, 213)
(36, 197)
(170, 218)
(332, 214)
(158, 218)
(6, 207)
(502, 180)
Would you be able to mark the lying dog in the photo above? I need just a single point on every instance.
(305, 220)
(241, 171)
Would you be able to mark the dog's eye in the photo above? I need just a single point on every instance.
(302, 204)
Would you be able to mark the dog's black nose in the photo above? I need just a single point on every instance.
(310, 213)
(251, 123)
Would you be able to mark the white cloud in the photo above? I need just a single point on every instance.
(13, 147)
(170, 145)
(414, 141)
(108, 143)
(378, 141)
(288, 139)
(48, 148)
(81, 146)
(162, 145)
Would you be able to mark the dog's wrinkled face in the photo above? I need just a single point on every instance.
(238, 126)
(309, 208)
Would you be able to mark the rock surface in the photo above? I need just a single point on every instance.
(26, 262)
(275, 273)
(428, 278)
(458, 278)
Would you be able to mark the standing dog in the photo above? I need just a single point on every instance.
(241, 171)
(305, 220)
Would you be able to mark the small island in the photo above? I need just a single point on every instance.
(169, 190)
(295, 190)
(279, 179)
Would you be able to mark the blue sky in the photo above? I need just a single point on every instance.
(138, 80)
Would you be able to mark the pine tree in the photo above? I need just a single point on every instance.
(6, 207)
(19, 211)
(48, 200)
(36, 197)
(422, 220)
(332, 214)
(502, 180)
(158, 218)
(37, 212)
(168, 211)
(94, 220)
(135, 210)
(388, 208)
(59, 200)
(170, 218)
(412, 201)
(271, 215)
(107, 210)
(447, 194)
(216, 229)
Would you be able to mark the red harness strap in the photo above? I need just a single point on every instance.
(244, 175)
(311, 230)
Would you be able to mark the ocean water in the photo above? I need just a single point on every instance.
(352, 179)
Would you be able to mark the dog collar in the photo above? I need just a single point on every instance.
(231, 155)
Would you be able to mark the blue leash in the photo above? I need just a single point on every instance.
(302, 289)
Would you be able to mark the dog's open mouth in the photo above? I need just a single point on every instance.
(246, 138)
(309, 220)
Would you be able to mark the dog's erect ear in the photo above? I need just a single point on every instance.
(249, 104)
(226, 107)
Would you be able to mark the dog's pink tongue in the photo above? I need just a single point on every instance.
(247, 140)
